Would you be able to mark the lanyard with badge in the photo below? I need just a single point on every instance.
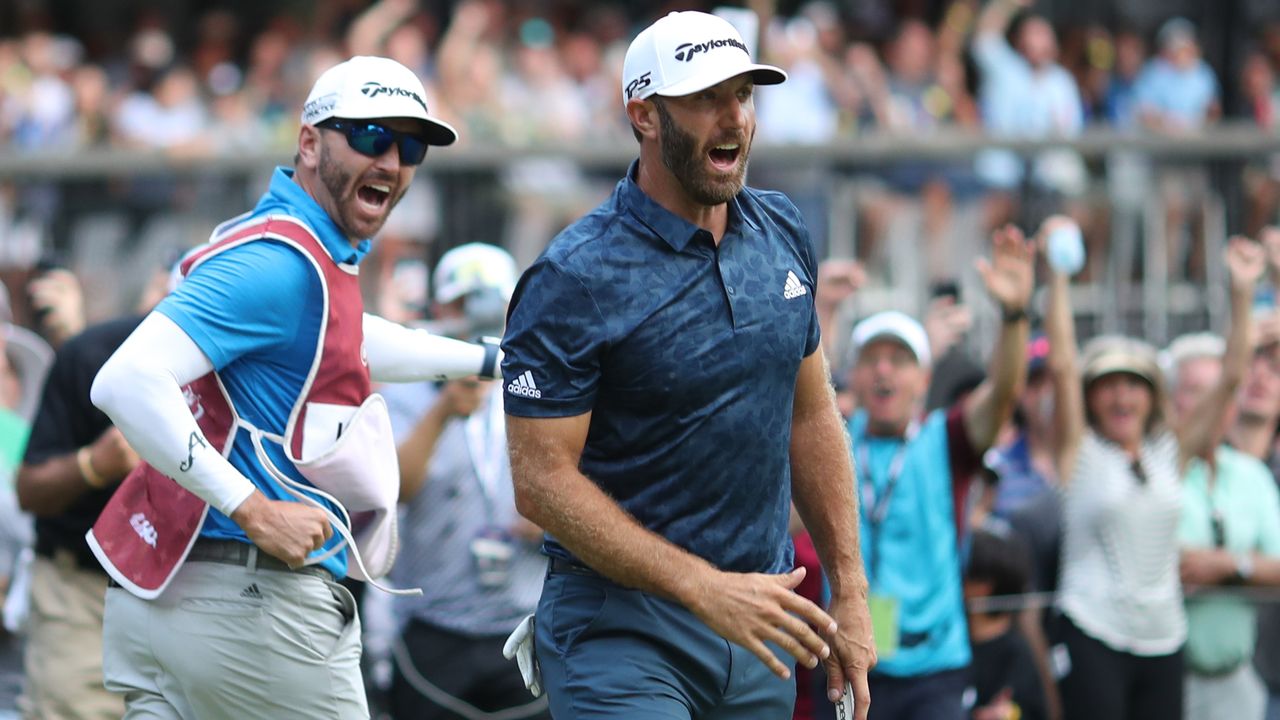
(493, 547)
(874, 507)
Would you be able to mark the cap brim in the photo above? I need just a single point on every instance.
(891, 336)
(1113, 364)
(439, 132)
(761, 74)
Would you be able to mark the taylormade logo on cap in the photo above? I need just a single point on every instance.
(370, 88)
(373, 89)
(685, 52)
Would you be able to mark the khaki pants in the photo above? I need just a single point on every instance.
(226, 641)
(63, 656)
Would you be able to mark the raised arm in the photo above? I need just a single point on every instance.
(1246, 264)
(1064, 363)
(822, 488)
(837, 281)
(456, 399)
(996, 15)
(746, 609)
(1010, 278)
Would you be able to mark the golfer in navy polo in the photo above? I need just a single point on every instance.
(666, 401)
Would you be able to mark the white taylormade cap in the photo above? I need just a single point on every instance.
(898, 327)
(685, 52)
(365, 88)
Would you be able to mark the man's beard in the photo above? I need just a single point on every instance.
(338, 181)
(687, 162)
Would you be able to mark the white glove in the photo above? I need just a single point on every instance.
(520, 646)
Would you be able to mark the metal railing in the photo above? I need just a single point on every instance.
(114, 208)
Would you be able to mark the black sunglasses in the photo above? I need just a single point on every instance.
(372, 139)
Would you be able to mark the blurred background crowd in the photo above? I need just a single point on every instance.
(907, 132)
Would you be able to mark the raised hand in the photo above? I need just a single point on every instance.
(945, 322)
(837, 280)
(57, 294)
(749, 609)
(463, 397)
(1246, 263)
(1010, 273)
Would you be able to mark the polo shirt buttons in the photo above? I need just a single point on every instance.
(729, 289)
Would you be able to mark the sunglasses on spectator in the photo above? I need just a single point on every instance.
(372, 139)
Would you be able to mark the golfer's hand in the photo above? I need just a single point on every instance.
(853, 652)
(287, 530)
(750, 608)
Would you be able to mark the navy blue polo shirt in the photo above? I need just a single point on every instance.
(685, 355)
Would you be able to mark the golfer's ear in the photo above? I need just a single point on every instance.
(643, 115)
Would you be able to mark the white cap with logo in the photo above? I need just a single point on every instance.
(896, 326)
(365, 88)
(685, 52)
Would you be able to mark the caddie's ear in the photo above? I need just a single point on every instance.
(309, 147)
(643, 115)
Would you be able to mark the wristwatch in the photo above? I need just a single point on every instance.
(1244, 567)
(1013, 315)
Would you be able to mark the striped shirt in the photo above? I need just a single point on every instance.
(454, 506)
(1119, 579)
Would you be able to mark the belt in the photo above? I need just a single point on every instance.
(568, 567)
(234, 552)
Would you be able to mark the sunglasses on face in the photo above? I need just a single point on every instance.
(372, 139)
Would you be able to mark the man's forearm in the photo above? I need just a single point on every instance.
(416, 451)
(584, 519)
(992, 404)
(822, 487)
(49, 487)
(400, 354)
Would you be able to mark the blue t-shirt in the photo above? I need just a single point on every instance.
(1182, 96)
(255, 311)
(911, 554)
(686, 356)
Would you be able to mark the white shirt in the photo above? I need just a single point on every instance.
(1120, 581)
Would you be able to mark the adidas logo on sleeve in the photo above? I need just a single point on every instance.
(793, 289)
(524, 386)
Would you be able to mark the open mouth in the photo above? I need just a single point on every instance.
(374, 196)
(725, 156)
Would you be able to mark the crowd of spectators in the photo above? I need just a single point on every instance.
(510, 76)
(525, 76)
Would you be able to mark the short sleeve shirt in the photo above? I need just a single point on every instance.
(1221, 629)
(66, 421)
(685, 353)
(1181, 96)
